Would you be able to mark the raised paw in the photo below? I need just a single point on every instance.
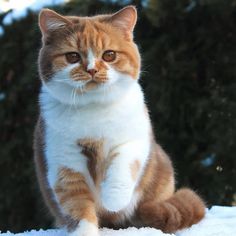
(85, 228)
(116, 196)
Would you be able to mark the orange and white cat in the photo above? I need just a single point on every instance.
(96, 158)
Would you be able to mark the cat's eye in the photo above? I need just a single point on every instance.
(72, 57)
(109, 56)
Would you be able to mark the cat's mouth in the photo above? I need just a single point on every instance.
(84, 85)
(92, 84)
(93, 79)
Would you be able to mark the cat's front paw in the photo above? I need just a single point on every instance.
(116, 196)
(85, 228)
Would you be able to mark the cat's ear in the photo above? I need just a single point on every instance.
(125, 19)
(50, 20)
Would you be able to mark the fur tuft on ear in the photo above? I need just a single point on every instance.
(50, 20)
(125, 18)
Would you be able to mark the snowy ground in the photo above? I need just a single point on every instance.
(219, 221)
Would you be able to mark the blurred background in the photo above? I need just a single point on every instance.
(188, 52)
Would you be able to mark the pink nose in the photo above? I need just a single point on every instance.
(92, 72)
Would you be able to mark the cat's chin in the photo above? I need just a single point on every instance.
(94, 85)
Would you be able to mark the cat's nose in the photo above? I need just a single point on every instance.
(92, 72)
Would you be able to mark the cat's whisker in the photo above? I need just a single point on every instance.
(71, 98)
(81, 90)
(104, 91)
(61, 81)
(109, 88)
(70, 107)
(74, 97)
(75, 94)
(143, 72)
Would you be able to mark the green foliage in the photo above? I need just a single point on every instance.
(193, 106)
(188, 75)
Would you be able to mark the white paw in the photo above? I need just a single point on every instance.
(116, 196)
(85, 228)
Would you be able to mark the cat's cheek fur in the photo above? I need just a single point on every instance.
(85, 228)
(60, 85)
(113, 75)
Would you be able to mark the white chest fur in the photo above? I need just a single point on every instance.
(118, 123)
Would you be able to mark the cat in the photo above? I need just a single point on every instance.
(96, 157)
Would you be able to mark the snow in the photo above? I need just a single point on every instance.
(20, 7)
(219, 221)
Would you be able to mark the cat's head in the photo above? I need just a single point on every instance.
(86, 57)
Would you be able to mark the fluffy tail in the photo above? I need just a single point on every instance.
(182, 210)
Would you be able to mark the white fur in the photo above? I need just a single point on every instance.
(114, 113)
(128, 211)
(91, 59)
(54, 24)
(118, 186)
(85, 228)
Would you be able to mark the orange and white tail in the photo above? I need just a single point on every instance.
(182, 210)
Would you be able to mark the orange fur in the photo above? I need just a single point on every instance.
(74, 196)
(96, 33)
(159, 205)
(134, 168)
(41, 171)
(182, 210)
(93, 150)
